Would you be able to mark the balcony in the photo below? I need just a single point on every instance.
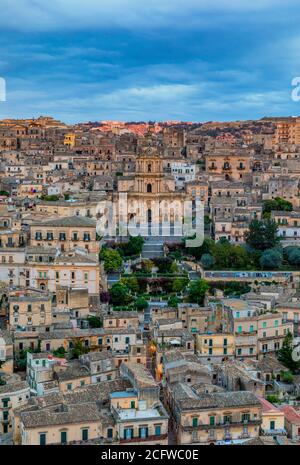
(273, 432)
(154, 437)
(221, 425)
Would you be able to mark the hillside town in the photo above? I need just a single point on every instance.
(150, 338)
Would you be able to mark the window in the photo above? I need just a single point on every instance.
(49, 236)
(251, 329)
(63, 437)
(109, 433)
(128, 433)
(5, 402)
(69, 387)
(272, 425)
(86, 237)
(132, 404)
(85, 434)
(143, 432)
(149, 188)
(227, 419)
(157, 430)
(246, 417)
(42, 439)
(239, 329)
(195, 422)
(62, 236)
(212, 421)
(264, 325)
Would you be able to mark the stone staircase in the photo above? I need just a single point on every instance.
(153, 248)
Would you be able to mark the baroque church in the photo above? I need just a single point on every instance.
(153, 204)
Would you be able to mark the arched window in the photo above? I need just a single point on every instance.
(149, 187)
(149, 168)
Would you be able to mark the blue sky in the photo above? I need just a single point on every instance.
(191, 60)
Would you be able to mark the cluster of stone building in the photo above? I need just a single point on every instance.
(194, 374)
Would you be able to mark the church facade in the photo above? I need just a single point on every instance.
(149, 201)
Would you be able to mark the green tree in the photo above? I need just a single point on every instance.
(179, 284)
(207, 261)
(174, 268)
(134, 246)
(147, 265)
(287, 377)
(4, 193)
(120, 295)
(132, 283)
(164, 265)
(60, 352)
(285, 354)
(273, 399)
(78, 349)
(197, 291)
(50, 198)
(21, 361)
(262, 234)
(141, 304)
(230, 256)
(277, 204)
(294, 257)
(94, 321)
(205, 248)
(112, 259)
(173, 301)
(271, 259)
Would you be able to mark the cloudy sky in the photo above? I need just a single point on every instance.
(191, 60)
